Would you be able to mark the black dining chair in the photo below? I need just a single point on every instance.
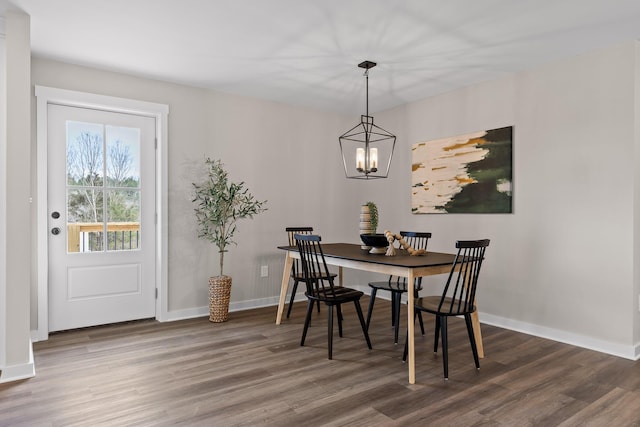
(321, 288)
(296, 268)
(457, 299)
(398, 285)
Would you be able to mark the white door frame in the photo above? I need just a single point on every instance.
(47, 95)
(3, 194)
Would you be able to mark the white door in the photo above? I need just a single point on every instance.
(101, 204)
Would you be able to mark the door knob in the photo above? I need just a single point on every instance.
(55, 215)
(55, 231)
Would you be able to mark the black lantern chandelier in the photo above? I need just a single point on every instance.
(366, 148)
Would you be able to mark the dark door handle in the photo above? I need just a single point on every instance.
(55, 215)
(55, 231)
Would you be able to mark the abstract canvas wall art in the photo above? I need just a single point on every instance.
(470, 173)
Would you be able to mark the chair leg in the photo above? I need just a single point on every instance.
(472, 339)
(396, 320)
(372, 300)
(416, 294)
(421, 322)
(330, 330)
(293, 296)
(393, 308)
(307, 320)
(406, 347)
(406, 340)
(364, 327)
(317, 290)
(445, 347)
(339, 312)
(436, 332)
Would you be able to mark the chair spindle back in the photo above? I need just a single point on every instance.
(459, 294)
(318, 279)
(417, 240)
(296, 268)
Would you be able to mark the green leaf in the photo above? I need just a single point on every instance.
(219, 204)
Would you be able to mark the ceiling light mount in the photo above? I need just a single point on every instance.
(365, 145)
(367, 64)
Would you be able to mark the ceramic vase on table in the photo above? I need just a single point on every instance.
(365, 224)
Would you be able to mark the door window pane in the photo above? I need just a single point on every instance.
(123, 220)
(123, 156)
(103, 187)
(85, 225)
(85, 154)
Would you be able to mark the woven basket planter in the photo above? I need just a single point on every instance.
(219, 296)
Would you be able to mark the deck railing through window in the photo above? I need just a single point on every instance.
(89, 236)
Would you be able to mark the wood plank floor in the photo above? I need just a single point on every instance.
(250, 372)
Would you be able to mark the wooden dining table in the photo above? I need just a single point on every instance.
(347, 255)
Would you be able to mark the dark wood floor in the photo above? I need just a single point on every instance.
(250, 372)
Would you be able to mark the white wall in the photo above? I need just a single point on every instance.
(18, 361)
(265, 144)
(636, 205)
(562, 265)
(3, 194)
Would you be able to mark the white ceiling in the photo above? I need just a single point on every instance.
(305, 52)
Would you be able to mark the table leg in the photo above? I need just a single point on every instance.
(288, 264)
(340, 283)
(475, 321)
(411, 327)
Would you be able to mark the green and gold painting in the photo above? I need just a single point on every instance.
(470, 173)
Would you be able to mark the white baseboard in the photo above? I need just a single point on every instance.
(627, 352)
(631, 352)
(19, 372)
(233, 306)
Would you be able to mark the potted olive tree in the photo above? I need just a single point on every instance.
(218, 205)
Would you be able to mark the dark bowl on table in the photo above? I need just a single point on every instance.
(375, 240)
